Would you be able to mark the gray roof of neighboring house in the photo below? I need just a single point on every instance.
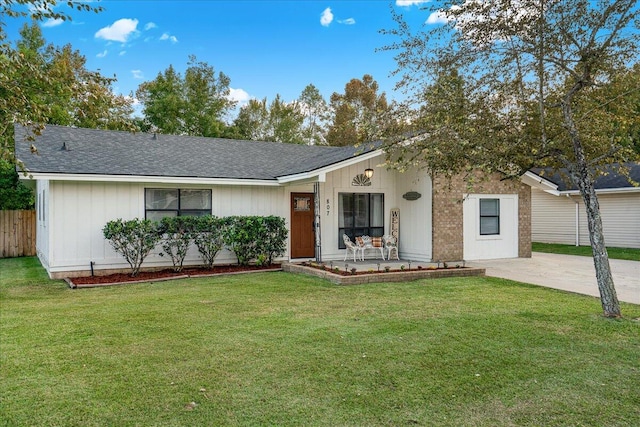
(68, 150)
(610, 181)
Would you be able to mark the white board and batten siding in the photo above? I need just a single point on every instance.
(503, 245)
(553, 219)
(80, 210)
(43, 230)
(416, 230)
(415, 240)
(340, 181)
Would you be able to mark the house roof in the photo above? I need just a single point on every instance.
(613, 180)
(78, 151)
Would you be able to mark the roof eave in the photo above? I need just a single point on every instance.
(147, 179)
(535, 180)
(320, 173)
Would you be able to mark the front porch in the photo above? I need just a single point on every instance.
(377, 271)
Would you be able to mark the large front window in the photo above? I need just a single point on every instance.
(162, 202)
(360, 214)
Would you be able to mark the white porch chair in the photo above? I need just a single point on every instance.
(391, 245)
(367, 242)
(351, 247)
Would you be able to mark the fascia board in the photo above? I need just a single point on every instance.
(539, 182)
(321, 172)
(148, 179)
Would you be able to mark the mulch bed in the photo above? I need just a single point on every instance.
(148, 276)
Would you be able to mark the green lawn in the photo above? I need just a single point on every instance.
(283, 349)
(631, 254)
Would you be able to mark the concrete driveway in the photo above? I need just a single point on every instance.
(567, 272)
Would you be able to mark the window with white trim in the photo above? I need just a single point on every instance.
(360, 214)
(489, 217)
(163, 202)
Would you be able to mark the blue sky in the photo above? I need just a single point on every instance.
(265, 47)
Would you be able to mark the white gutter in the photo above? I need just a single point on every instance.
(605, 191)
(148, 179)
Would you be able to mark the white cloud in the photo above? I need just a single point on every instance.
(436, 18)
(150, 26)
(135, 102)
(137, 74)
(166, 36)
(326, 17)
(238, 95)
(241, 98)
(119, 31)
(122, 53)
(408, 3)
(102, 54)
(348, 21)
(52, 23)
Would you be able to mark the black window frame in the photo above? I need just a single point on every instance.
(496, 216)
(353, 231)
(179, 211)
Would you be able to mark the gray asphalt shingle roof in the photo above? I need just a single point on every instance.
(610, 181)
(105, 152)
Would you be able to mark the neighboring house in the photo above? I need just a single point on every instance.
(558, 213)
(84, 178)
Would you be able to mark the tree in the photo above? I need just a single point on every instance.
(164, 106)
(13, 193)
(285, 121)
(548, 84)
(360, 114)
(17, 103)
(95, 106)
(316, 113)
(278, 122)
(43, 84)
(252, 121)
(195, 104)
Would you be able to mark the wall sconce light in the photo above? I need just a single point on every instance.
(368, 172)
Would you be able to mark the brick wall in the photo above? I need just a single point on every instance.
(447, 214)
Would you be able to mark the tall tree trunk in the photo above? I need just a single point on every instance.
(583, 179)
(608, 296)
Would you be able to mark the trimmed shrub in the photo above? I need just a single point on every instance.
(240, 236)
(176, 233)
(132, 239)
(272, 239)
(255, 238)
(208, 234)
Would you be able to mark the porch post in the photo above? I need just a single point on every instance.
(316, 208)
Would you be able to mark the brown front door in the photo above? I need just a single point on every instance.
(303, 239)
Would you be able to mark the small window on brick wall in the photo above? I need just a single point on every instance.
(489, 217)
(162, 202)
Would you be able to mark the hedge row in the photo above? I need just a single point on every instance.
(251, 238)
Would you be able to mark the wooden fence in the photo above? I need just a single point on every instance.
(17, 233)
